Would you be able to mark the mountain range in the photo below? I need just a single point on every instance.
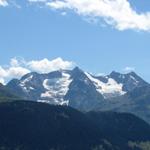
(86, 92)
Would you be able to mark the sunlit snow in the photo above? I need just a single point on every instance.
(56, 89)
(109, 89)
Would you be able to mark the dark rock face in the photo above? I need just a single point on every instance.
(82, 93)
(26, 125)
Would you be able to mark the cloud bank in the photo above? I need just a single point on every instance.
(19, 67)
(117, 13)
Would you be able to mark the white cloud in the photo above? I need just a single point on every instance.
(2, 81)
(19, 67)
(14, 62)
(100, 74)
(3, 3)
(64, 13)
(45, 65)
(37, 1)
(7, 73)
(117, 13)
(128, 69)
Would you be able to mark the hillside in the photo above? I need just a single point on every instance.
(28, 125)
(6, 94)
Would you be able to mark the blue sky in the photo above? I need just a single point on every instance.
(34, 31)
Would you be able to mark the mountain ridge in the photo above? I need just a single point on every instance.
(86, 92)
(78, 73)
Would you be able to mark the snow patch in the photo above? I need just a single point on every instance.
(109, 89)
(27, 80)
(133, 78)
(24, 82)
(56, 89)
(55, 102)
